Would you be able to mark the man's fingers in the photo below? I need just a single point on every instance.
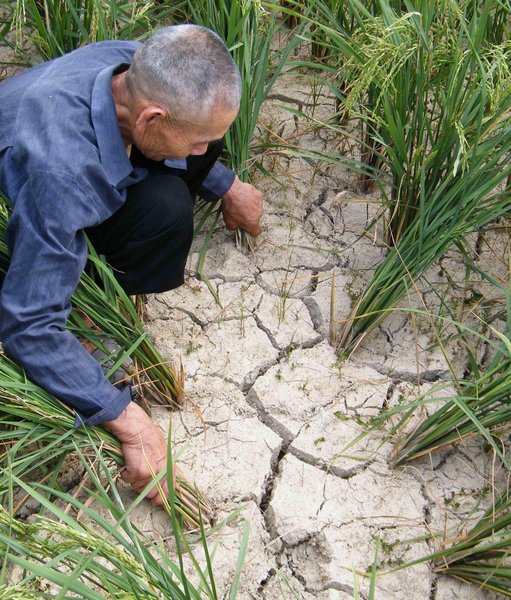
(157, 500)
(252, 227)
(255, 230)
(140, 486)
(230, 223)
(242, 207)
(127, 476)
(144, 449)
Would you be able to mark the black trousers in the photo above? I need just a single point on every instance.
(146, 242)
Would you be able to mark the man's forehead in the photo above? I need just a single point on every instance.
(210, 116)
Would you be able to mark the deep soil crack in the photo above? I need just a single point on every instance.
(328, 468)
(433, 589)
(264, 582)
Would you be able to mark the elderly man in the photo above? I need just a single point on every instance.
(114, 139)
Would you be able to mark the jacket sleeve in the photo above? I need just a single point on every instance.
(48, 253)
(218, 181)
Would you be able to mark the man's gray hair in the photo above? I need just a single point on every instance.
(188, 70)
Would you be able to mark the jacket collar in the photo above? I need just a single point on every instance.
(112, 153)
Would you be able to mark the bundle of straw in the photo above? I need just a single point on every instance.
(31, 415)
(91, 554)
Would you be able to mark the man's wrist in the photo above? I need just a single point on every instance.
(230, 194)
(118, 425)
(131, 425)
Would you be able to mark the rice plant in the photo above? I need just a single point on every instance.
(500, 12)
(337, 15)
(481, 407)
(480, 555)
(439, 118)
(85, 543)
(55, 27)
(30, 415)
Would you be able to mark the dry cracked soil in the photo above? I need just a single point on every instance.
(272, 411)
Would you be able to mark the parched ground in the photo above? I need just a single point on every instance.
(272, 409)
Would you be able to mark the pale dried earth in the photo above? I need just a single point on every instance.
(271, 408)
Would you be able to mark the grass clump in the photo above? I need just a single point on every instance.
(30, 415)
(481, 407)
(479, 555)
(85, 544)
(55, 27)
(432, 89)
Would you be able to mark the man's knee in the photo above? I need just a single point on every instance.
(167, 205)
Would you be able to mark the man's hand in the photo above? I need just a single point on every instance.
(242, 206)
(144, 449)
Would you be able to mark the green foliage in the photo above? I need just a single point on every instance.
(481, 407)
(55, 27)
(480, 555)
(30, 415)
(92, 549)
(435, 97)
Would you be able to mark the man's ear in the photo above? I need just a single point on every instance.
(150, 115)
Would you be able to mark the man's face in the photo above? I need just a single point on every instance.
(159, 138)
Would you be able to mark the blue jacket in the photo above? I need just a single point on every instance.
(63, 167)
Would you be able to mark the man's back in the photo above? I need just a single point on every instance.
(68, 69)
(64, 167)
(59, 118)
